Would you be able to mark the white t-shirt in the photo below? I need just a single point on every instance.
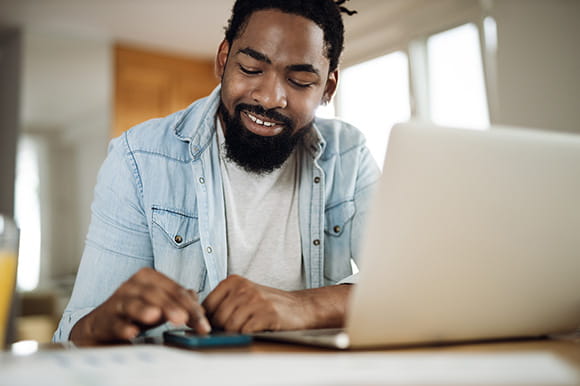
(262, 222)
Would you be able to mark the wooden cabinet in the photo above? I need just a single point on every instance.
(150, 85)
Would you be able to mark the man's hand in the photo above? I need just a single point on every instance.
(147, 299)
(239, 305)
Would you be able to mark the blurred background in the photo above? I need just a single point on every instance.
(76, 73)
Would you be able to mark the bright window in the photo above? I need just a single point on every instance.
(326, 111)
(456, 84)
(27, 213)
(373, 96)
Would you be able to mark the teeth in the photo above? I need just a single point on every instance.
(260, 122)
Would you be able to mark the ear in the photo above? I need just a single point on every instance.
(330, 88)
(221, 58)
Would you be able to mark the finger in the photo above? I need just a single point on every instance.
(237, 307)
(238, 316)
(196, 313)
(197, 319)
(225, 309)
(254, 316)
(183, 308)
(171, 310)
(116, 328)
(213, 301)
(148, 276)
(257, 323)
(150, 294)
(189, 301)
(122, 329)
(179, 304)
(140, 311)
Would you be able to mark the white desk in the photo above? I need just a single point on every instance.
(534, 362)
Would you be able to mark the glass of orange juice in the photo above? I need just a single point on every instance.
(8, 258)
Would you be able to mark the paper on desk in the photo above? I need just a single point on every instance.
(158, 365)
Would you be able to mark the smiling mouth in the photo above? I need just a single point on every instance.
(259, 125)
(262, 122)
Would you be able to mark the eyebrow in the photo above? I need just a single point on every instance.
(263, 58)
(255, 54)
(303, 68)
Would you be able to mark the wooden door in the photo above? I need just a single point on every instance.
(150, 85)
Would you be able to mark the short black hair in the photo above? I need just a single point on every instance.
(325, 13)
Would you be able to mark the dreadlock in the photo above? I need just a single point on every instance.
(327, 14)
(339, 3)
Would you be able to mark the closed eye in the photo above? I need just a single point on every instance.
(300, 84)
(249, 72)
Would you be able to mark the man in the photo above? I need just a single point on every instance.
(243, 201)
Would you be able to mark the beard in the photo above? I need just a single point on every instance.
(255, 153)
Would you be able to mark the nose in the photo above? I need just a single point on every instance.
(270, 93)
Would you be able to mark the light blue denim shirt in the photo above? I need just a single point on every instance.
(159, 203)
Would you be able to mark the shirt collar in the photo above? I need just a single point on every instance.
(196, 124)
(314, 142)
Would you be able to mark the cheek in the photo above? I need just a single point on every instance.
(232, 89)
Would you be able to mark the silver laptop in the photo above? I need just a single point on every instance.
(473, 235)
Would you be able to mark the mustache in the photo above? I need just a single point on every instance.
(270, 114)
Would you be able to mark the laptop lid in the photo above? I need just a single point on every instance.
(473, 235)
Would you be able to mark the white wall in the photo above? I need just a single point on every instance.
(538, 63)
(67, 90)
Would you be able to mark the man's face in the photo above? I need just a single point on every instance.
(274, 76)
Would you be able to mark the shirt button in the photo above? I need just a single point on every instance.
(209, 250)
(316, 242)
(201, 180)
(336, 229)
(178, 239)
(316, 180)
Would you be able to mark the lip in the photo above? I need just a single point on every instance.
(261, 129)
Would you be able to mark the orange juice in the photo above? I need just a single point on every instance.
(7, 277)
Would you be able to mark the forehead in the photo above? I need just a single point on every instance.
(283, 37)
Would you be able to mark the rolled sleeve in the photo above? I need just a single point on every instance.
(68, 320)
(352, 279)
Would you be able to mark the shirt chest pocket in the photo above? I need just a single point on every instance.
(337, 241)
(176, 247)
